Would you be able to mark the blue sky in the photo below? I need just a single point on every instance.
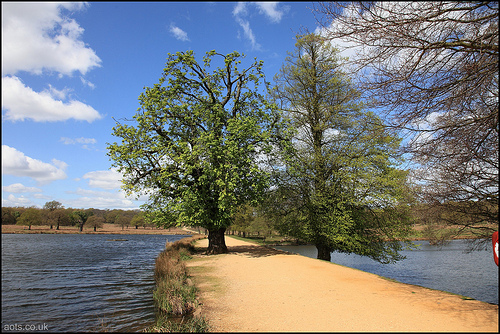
(68, 69)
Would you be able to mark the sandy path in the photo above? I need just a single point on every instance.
(256, 289)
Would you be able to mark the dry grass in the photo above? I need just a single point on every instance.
(175, 294)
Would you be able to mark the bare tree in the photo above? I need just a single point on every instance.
(433, 68)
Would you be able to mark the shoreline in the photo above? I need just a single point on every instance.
(106, 229)
(258, 289)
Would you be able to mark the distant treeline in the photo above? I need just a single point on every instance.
(248, 221)
(53, 214)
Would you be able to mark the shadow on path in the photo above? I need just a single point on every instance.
(255, 251)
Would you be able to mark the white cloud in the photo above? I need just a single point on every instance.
(39, 28)
(240, 9)
(20, 188)
(21, 103)
(247, 31)
(179, 33)
(87, 83)
(13, 201)
(270, 9)
(81, 140)
(105, 179)
(16, 163)
(102, 200)
(238, 12)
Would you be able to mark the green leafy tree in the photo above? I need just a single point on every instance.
(138, 220)
(95, 222)
(433, 67)
(80, 217)
(61, 216)
(337, 185)
(243, 219)
(196, 144)
(52, 215)
(122, 220)
(9, 216)
(111, 216)
(30, 216)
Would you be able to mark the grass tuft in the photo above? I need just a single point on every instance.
(175, 295)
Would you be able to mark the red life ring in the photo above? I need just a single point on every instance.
(495, 247)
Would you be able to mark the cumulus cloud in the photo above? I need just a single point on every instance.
(40, 28)
(179, 33)
(21, 102)
(16, 163)
(20, 188)
(104, 179)
(102, 200)
(13, 201)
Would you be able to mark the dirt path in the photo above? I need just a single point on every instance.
(256, 289)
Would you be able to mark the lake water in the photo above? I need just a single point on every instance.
(449, 268)
(79, 282)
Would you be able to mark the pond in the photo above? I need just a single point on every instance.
(79, 282)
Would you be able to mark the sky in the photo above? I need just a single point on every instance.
(69, 70)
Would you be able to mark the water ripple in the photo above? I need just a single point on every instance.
(79, 282)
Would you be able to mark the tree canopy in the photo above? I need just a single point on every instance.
(196, 143)
(433, 66)
(337, 184)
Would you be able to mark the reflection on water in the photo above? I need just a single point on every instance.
(449, 268)
(79, 282)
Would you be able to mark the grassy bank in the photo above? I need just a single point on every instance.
(175, 295)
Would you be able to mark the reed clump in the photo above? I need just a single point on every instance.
(175, 294)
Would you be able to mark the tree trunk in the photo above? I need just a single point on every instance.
(324, 252)
(95, 227)
(81, 227)
(216, 242)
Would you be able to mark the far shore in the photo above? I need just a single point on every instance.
(117, 229)
(106, 229)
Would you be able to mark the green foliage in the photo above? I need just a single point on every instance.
(196, 141)
(338, 187)
(53, 205)
(95, 221)
(80, 217)
(138, 220)
(30, 216)
(249, 219)
(9, 215)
